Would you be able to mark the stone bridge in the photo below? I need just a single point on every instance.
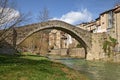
(91, 42)
(82, 36)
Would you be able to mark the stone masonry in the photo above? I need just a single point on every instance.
(88, 40)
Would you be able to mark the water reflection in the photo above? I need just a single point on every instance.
(94, 70)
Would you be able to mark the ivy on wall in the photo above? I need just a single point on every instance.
(109, 45)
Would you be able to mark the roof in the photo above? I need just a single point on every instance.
(97, 18)
(116, 9)
(107, 11)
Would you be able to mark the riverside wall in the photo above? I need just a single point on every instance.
(74, 52)
(96, 51)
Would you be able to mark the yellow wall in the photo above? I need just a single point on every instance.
(104, 21)
(117, 27)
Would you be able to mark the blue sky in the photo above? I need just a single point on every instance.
(78, 10)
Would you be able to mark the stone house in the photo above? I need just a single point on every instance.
(59, 39)
(108, 22)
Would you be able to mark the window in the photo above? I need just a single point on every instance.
(110, 19)
(103, 15)
(102, 22)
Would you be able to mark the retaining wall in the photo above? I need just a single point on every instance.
(74, 52)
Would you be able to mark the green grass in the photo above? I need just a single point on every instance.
(35, 68)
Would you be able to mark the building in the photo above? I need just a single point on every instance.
(108, 22)
(89, 26)
(54, 39)
(59, 39)
(104, 23)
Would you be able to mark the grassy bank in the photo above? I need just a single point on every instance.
(35, 68)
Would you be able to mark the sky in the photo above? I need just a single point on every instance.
(71, 11)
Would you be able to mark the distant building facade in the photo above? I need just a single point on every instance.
(59, 39)
(108, 22)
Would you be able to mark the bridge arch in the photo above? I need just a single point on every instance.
(82, 36)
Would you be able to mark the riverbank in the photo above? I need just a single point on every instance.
(94, 70)
(33, 67)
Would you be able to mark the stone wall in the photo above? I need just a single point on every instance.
(77, 52)
(62, 52)
(6, 48)
(96, 51)
(117, 58)
(74, 52)
(117, 29)
(9, 51)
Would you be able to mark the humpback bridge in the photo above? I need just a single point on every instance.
(92, 43)
(82, 36)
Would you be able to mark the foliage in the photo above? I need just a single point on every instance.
(79, 46)
(106, 45)
(25, 53)
(113, 41)
(34, 67)
(109, 45)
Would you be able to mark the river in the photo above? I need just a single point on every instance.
(94, 70)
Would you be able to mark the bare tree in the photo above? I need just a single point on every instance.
(9, 18)
(43, 15)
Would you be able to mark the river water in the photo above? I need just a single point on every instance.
(94, 70)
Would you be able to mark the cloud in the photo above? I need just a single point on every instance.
(74, 17)
(8, 15)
